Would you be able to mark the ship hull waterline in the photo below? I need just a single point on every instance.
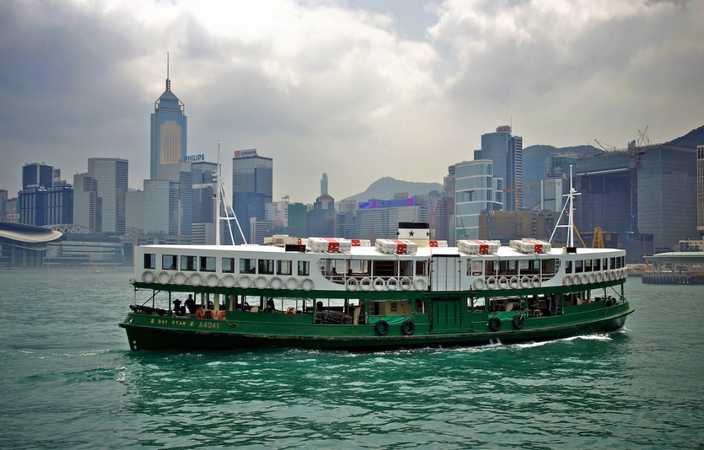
(162, 338)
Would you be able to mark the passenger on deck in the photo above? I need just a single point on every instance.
(177, 306)
(191, 304)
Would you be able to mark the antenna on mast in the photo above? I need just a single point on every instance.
(168, 81)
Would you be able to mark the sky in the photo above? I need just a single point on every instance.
(355, 89)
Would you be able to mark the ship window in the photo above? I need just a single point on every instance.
(588, 265)
(169, 262)
(360, 267)
(612, 263)
(507, 267)
(568, 267)
(597, 264)
(266, 266)
(228, 265)
(149, 261)
(283, 267)
(579, 266)
(303, 268)
(475, 267)
(549, 266)
(207, 264)
(248, 265)
(490, 268)
(420, 268)
(188, 262)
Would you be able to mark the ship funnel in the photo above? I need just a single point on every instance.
(416, 232)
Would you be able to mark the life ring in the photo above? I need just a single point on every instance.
(625, 273)
(307, 285)
(260, 282)
(195, 280)
(479, 284)
(379, 284)
(567, 280)
(365, 284)
(518, 321)
(392, 284)
(612, 274)
(212, 280)
(180, 278)
(491, 283)
(408, 327)
(228, 281)
(200, 314)
(276, 283)
(494, 324)
(245, 281)
(148, 276)
(585, 278)
(221, 315)
(575, 279)
(525, 282)
(514, 282)
(291, 283)
(382, 328)
(352, 284)
(405, 283)
(599, 277)
(503, 282)
(164, 277)
(535, 281)
(419, 284)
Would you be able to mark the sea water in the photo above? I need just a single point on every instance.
(70, 381)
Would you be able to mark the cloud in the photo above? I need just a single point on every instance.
(359, 90)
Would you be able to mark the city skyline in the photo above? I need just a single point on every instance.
(399, 89)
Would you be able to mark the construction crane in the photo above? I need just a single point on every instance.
(598, 239)
(606, 147)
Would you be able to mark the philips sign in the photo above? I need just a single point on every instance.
(194, 158)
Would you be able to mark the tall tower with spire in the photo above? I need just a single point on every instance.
(168, 130)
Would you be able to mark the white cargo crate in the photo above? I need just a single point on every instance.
(478, 247)
(531, 246)
(396, 246)
(330, 245)
(438, 243)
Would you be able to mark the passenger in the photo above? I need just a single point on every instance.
(177, 306)
(191, 304)
(270, 305)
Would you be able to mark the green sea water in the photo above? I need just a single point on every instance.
(69, 381)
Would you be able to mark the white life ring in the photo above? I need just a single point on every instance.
(503, 282)
(276, 283)
(291, 283)
(195, 280)
(164, 277)
(535, 281)
(479, 284)
(228, 281)
(525, 282)
(491, 283)
(245, 281)
(576, 280)
(625, 273)
(260, 282)
(612, 274)
(307, 285)
(514, 282)
(148, 276)
(419, 284)
(406, 283)
(379, 284)
(212, 280)
(392, 284)
(585, 278)
(567, 280)
(352, 284)
(592, 277)
(180, 278)
(365, 284)
(599, 277)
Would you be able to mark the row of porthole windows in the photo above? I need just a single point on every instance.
(191, 263)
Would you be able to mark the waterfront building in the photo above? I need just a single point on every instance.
(40, 206)
(321, 218)
(506, 153)
(169, 126)
(181, 173)
(477, 190)
(252, 187)
(297, 220)
(379, 219)
(110, 175)
(87, 205)
(161, 207)
(3, 204)
(24, 245)
(37, 174)
(700, 188)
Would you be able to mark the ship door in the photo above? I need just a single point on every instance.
(447, 315)
(445, 273)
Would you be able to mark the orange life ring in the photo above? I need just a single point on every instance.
(200, 314)
(221, 315)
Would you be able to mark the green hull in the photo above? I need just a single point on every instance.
(245, 330)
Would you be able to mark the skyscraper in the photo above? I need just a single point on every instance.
(506, 152)
(252, 187)
(36, 174)
(168, 131)
(99, 196)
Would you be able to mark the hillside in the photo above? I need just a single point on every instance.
(691, 139)
(385, 188)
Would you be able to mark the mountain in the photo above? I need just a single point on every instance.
(385, 188)
(691, 139)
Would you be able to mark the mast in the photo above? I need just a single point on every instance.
(569, 206)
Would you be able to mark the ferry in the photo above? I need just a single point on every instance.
(329, 293)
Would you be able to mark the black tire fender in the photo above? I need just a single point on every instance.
(518, 321)
(382, 328)
(494, 324)
(408, 327)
